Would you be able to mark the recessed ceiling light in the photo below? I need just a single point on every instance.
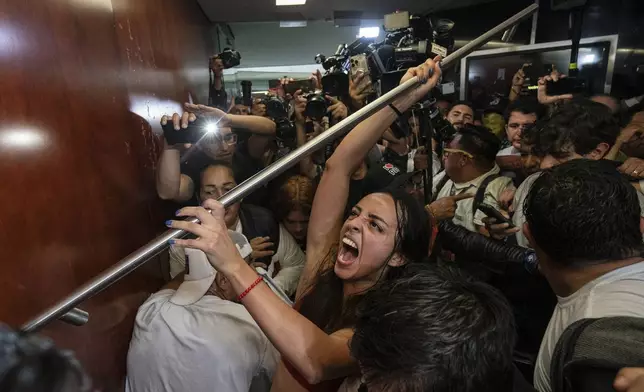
(369, 32)
(293, 23)
(290, 2)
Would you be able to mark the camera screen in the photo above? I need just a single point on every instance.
(396, 21)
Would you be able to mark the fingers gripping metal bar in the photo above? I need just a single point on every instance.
(154, 247)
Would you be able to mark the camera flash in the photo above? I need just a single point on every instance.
(211, 128)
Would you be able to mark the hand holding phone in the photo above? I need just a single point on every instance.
(497, 225)
(494, 213)
(545, 88)
(193, 124)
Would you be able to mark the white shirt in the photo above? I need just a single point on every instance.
(288, 253)
(464, 215)
(211, 345)
(518, 219)
(436, 162)
(617, 293)
(508, 151)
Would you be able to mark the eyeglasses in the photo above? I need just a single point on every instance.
(447, 151)
(522, 126)
(229, 139)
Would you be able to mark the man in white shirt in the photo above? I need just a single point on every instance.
(194, 336)
(257, 224)
(521, 114)
(469, 164)
(583, 220)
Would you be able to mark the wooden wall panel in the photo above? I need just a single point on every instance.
(82, 86)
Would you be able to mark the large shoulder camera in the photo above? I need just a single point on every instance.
(410, 41)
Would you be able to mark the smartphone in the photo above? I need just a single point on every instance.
(195, 131)
(494, 213)
(569, 85)
(306, 85)
(359, 64)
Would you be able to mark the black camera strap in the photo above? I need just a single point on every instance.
(480, 192)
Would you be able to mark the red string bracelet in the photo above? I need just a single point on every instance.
(251, 287)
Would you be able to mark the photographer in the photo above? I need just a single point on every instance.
(470, 171)
(217, 96)
(337, 112)
(177, 175)
(542, 89)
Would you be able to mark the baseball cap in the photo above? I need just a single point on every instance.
(382, 176)
(200, 274)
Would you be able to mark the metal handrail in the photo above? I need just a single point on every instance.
(154, 247)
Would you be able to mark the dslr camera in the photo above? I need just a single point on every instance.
(229, 57)
(285, 129)
(335, 81)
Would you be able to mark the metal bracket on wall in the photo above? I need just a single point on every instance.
(76, 317)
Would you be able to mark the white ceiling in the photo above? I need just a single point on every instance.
(266, 10)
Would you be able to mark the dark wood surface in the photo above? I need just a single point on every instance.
(83, 84)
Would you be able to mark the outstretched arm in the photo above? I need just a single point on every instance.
(331, 197)
(254, 124)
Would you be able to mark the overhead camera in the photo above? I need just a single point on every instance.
(336, 80)
(410, 41)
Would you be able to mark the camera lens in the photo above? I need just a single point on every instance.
(316, 106)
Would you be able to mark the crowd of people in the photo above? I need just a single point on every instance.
(343, 275)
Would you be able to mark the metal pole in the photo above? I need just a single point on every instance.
(535, 22)
(154, 247)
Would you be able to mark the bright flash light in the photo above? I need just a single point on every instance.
(369, 32)
(588, 59)
(211, 128)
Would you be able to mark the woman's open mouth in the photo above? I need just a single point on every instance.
(348, 252)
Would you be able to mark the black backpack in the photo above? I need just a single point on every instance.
(591, 352)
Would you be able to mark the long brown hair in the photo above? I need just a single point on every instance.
(324, 303)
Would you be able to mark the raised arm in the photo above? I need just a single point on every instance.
(307, 167)
(331, 196)
(254, 124)
(171, 184)
(316, 355)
